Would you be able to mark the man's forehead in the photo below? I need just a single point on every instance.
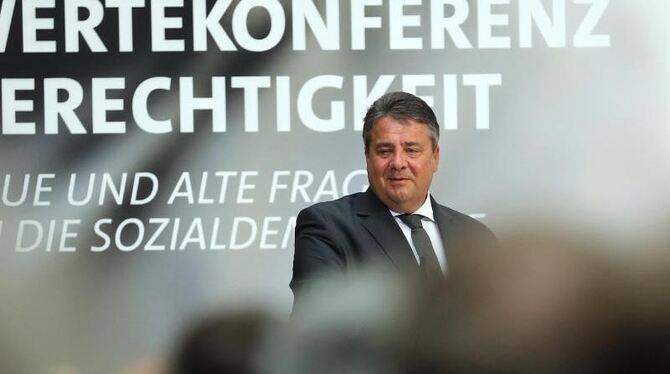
(387, 142)
(415, 131)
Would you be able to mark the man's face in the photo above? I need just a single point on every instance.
(401, 161)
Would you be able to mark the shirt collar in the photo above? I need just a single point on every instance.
(425, 210)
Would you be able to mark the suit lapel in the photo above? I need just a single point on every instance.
(378, 221)
(448, 229)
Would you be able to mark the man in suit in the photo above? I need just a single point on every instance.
(395, 223)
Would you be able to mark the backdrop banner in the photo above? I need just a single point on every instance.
(155, 153)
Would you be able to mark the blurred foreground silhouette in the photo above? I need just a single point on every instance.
(544, 302)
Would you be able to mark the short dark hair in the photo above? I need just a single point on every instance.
(401, 106)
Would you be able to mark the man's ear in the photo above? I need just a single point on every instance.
(436, 157)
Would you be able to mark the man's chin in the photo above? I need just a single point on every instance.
(398, 197)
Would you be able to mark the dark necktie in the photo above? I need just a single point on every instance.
(427, 259)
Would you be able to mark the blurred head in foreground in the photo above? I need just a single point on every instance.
(541, 303)
(550, 302)
(225, 343)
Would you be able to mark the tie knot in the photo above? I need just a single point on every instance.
(412, 220)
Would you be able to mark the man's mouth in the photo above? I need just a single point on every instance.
(397, 179)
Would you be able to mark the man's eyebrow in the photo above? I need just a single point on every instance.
(383, 144)
(411, 144)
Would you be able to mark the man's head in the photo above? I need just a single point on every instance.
(401, 136)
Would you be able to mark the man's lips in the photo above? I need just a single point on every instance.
(397, 179)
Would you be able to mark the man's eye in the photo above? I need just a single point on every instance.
(384, 152)
(412, 151)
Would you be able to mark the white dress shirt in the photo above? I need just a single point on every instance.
(429, 224)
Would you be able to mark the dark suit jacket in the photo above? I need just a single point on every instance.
(358, 229)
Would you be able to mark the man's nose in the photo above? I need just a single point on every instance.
(398, 160)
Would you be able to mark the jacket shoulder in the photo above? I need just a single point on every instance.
(342, 207)
(470, 228)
